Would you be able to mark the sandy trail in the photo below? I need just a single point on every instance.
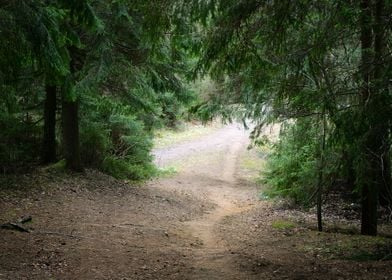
(209, 171)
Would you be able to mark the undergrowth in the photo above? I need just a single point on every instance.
(352, 247)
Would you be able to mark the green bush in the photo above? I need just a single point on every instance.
(114, 141)
(292, 167)
(122, 169)
(94, 143)
(131, 145)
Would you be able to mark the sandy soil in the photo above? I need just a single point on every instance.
(209, 173)
(204, 222)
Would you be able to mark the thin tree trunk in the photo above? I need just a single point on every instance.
(320, 176)
(49, 139)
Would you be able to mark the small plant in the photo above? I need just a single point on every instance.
(58, 166)
(264, 196)
(167, 172)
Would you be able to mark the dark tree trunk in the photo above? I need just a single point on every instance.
(70, 124)
(386, 187)
(70, 117)
(49, 139)
(376, 112)
(368, 174)
(381, 81)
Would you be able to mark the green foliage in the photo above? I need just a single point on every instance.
(58, 166)
(19, 143)
(167, 172)
(294, 170)
(131, 147)
(122, 169)
(130, 141)
(125, 62)
(280, 60)
(173, 107)
(113, 140)
(292, 167)
(94, 143)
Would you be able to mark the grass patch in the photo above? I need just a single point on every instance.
(167, 172)
(264, 196)
(252, 162)
(55, 167)
(283, 225)
(166, 137)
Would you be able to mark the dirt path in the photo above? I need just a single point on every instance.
(209, 169)
(203, 223)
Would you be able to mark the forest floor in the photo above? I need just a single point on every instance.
(204, 221)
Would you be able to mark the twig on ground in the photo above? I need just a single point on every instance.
(14, 226)
(18, 224)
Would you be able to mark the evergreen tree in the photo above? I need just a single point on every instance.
(86, 53)
(282, 60)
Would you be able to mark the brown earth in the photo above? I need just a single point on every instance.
(204, 222)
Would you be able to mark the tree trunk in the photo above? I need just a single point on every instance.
(381, 81)
(386, 187)
(321, 174)
(70, 116)
(49, 139)
(376, 112)
(70, 123)
(367, 174)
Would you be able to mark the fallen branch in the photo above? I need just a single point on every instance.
(25, 219)
(14, 226)
(18, 224)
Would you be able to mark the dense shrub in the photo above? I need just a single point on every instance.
(292, 167)
(94, 142)
(131, 146)
(114, 141)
